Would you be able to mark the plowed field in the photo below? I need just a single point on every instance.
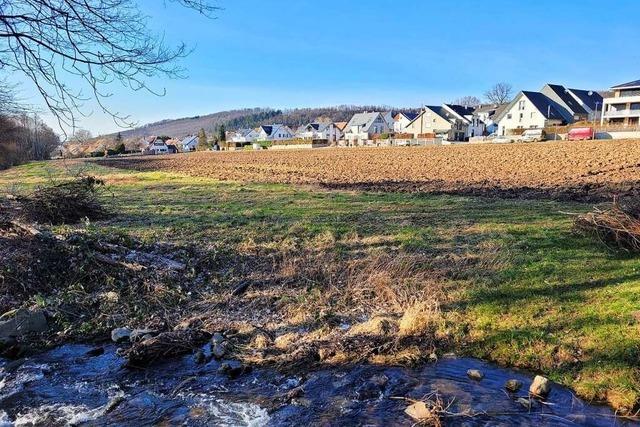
(589, 171)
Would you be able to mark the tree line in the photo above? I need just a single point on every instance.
(24, 137)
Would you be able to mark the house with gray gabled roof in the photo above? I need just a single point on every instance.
(243, 136)
(530, 110)
(483, 120)
(319, 131)
(570, 108)
(622, 108)
(431, 120)
(189, 144)
(276, 132)
(364, 126)
(460, 117)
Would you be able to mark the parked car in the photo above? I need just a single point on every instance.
(580, 134)
(533, 135)
(502, 139)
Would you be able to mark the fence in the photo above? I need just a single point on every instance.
(596, 128)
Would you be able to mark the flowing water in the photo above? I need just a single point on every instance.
(66, 386)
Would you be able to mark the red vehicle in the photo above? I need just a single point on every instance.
(580, 134)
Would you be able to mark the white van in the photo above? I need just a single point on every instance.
(533, 135)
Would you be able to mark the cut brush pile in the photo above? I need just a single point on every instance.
(65, 203)
(617, 226)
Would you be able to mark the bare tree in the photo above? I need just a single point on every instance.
(72, 50)
(467, 101)
(9, 102)
(499, 93)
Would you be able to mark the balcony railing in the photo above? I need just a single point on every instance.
(621, 113)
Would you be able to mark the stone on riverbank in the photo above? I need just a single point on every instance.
(419, 411)
(540, 387)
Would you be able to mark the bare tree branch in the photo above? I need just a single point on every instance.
(72, 50)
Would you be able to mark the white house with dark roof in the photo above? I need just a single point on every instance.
(243, 136)
(530, 110)
(483, 120)
(363, 126)
(322, 130)
(155, 145)
(623, 107)
(276, 132)
(402, 120)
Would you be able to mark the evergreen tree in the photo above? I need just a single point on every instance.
(119, 144)
(202, 140)
(222, 134)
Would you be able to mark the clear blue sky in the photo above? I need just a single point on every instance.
(299, 53)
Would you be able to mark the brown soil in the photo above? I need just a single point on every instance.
(589, 170)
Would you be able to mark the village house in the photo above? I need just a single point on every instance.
(590, 100)
(364, 126)
(623, 106)
(189, 144)
(568, 105)
(155, 145)
(276, 132)
(449, 122)
(431, 120)
(483, 120)
(314, 131)
(460, 118)
(402, 120)
(529, 110)
(340, 126)
(172, 145)
(243, 136)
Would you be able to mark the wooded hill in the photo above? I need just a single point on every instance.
(246, 118)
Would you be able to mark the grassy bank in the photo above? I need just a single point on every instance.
(504, 280)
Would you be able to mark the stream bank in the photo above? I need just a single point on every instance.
(79, 385)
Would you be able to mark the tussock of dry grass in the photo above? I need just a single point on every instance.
(420, 319)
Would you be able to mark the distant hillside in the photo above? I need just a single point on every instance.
(247, 118)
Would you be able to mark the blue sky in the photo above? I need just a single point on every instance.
(302, 53)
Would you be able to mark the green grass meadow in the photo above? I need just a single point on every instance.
(537, 295)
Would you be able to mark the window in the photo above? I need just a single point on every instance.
(521, 105)
(509, 116)
(533, 114)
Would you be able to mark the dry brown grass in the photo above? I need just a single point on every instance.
(420, 319)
